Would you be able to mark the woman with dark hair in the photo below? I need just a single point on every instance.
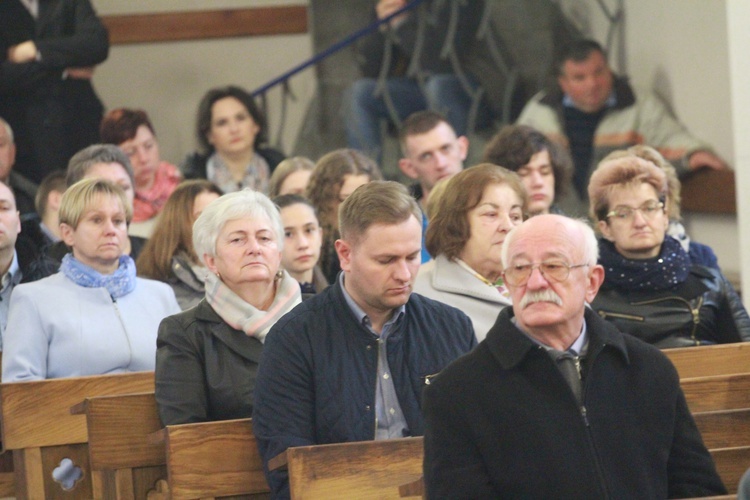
(169, 255)
(231, 133)
(302, 240)
(544, 167)
(651, 289)
(131, 130)
(336, 176)
(474, 213)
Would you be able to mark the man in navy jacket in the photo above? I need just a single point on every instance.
(350, 363)
(555, 402)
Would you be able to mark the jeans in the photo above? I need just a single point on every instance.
(443, 93)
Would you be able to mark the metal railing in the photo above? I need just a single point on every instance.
(427, 12)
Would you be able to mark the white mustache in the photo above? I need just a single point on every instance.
(540, 296)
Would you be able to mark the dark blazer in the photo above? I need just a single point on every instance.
(502, 422)
(52, 116)
(205, 369)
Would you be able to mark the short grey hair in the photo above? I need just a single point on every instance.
(238, 205)
(82, 161)
(7, 128)
(590, 245)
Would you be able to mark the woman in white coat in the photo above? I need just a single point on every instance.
(472, 217)
(94, 316)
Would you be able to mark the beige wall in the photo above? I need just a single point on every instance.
(168, 79)
(680, 49)
(738, 16)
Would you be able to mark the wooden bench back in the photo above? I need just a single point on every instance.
(124, 463)
(717, 392)
(708, 360)
(724, 428)
(731, 463)
(38, 426)
(213, 459)
(367, 469)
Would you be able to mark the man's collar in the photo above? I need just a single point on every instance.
(611, 101)
(553, 96)
(14, 275)
(509, 345)
(575, 348)
(360, 314)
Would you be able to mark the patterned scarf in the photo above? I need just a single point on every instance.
(150, 202)
(244, 317)
(670, 268)
(118, 284)
(256, 175)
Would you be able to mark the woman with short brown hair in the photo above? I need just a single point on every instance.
(476, 211)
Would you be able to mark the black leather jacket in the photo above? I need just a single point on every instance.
(704, 309)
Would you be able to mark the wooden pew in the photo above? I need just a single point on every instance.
(7, 479)
(731, 463)
(212, 459)
(366, 469)
(718, 392)
(726, 434)
(724, 428)
(124, 464)
(38, 427)
(708, 360)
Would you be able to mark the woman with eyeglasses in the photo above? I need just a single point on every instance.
(651, 288)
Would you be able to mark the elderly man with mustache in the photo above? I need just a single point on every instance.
(556, 402)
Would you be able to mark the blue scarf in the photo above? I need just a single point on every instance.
(118, 284)
(670, 268)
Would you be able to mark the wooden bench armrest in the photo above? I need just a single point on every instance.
(157, 437)
(412, 489)
(279, 462)
(80, 408)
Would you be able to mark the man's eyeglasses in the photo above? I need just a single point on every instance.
(649, 210)
(552, 270)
